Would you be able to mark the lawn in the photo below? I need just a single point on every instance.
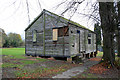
(13, 51)
(100, 54)
(17, 65)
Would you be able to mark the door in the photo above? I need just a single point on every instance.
(78, 41)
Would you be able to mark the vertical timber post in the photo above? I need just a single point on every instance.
(96, 44)
(25, 42)
(44, 33)
(63, 42)
(69, 60)
(85, 41)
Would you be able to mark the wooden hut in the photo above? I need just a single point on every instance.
(51, 35)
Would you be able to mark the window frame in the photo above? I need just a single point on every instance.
(89, 41)
(89, 38)
(89, 34)
(34, 32)
(61, 31)
(55, 34)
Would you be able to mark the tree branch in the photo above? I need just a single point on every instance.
(28, 11)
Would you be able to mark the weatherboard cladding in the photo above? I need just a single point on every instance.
(46, 46)
(60, 18)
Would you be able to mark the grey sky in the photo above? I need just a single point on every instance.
(13, 14)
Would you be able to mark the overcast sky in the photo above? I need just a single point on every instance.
(13, 14)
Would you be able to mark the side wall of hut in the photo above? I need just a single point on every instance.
(60, 48)
(75, 43)
(44, 45)
(77, 40)
(82, 41)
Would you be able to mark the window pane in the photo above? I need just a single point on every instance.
(63, 31)
(89, 35)
(34, 36)
(89, 41)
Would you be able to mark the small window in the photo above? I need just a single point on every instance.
(63, 31)
(59, 32)
(78, 31)
(34, 36)
(89, 35)
(55, 34)
(89, 41)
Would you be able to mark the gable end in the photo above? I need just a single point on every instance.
(34, 20)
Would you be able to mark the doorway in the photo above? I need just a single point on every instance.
(78, 32)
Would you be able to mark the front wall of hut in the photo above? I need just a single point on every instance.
(34, 48)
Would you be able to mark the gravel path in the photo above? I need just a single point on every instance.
(76, 70)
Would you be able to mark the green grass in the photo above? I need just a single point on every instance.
(41, 59)
(27, 61)
(117, 59)
(11, 65)
(28, 72)
(17, 54)
(18, 57)
(100, 54)
(13, 51)
(20, 73)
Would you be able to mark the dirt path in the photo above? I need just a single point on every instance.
(76, 70)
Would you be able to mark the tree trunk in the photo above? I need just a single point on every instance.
(118, 38)
(107, 24)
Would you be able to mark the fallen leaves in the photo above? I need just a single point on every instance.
(95, 59)
(17, 68)
(98, 69)
(45, 73)
(51, 59)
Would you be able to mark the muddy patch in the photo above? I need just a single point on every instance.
(8, 72)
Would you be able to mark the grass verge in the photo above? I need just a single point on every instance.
(13, 51)
(11, 65)
(99, 53)
(25, 62)
(42, 59)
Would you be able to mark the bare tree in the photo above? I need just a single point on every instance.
(118, 39)
(105, 14)
(106, 11)
(28, 11)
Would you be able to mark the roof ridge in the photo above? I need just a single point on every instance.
(70, 21)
